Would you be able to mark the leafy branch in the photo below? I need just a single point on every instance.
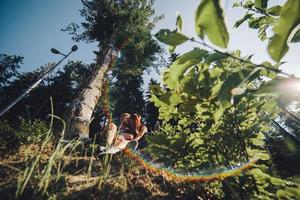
(241, 59)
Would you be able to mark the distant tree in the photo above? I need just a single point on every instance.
(62, 86)
(14, 89)
(127, 75)
(9, 65)
(151, 109)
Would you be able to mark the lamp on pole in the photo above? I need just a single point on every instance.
(43, 75)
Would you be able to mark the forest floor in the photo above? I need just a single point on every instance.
(55, 170)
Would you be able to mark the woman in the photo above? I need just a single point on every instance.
(131, 129)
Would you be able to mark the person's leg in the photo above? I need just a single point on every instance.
(111, 134)
(122, 143)
(128, 136)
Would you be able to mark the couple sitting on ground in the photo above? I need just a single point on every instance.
(131, 129)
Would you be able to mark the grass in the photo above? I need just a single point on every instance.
(50, 167)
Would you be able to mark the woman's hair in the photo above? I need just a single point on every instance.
(134, 124)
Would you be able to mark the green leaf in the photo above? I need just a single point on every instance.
(216, 88)
(178, 68)
(171, 49)
(296, 37)
(258, 142)
(277, 181)
(289, 19)
(171, 98)
(209, 21)
(179, 22)
(172, 38)
(215, 57)
(261, 4)
(236, 5)
(262, 156)
(255, 22)
(248, 4)
(160, 140)
(219, 113)
(275, 10)
(225, 93)
(239, 22)
(270, 106)
(288, 193)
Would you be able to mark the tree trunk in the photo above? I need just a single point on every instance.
(82, 107)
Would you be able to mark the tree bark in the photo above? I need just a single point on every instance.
(82, 107)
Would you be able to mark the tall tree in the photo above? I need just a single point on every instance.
(151, 109)
(110, 23)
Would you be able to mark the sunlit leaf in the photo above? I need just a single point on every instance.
(179, 22)
(225, 92)
(262, 156)
(216, 89)
(255, 22)
(215, 57)
(183, 63)
(171, 98)
(289, 19)
(218, 113)
(258, 142)
(275, 10)
(171, 49)
(261, 4)
(172, 38)
(209, 21)
(160, 140)
(296, 37)
(239, 22)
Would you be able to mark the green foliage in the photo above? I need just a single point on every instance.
(106, 18)
(27, 133)
(62, 86)
(151, 110)
(296, 37)
(176, 71)
(9, 140)
(216, 112)
(138, 57)
(209, 21)
(289, 19)
(283, 19)
(261, 4)
(172, 38)
(32, 132)
(275, 10)
(9, 65)
(203, 129)
(179, 23)
(241, 21)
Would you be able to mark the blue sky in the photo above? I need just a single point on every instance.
(31, 28)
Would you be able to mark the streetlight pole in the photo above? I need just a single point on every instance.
(43, 75)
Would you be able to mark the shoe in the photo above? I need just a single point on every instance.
(102, 148)
(111, 150)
